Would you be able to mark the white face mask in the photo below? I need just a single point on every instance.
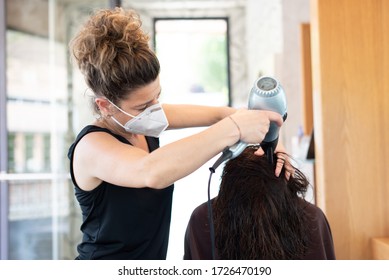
(151, 122)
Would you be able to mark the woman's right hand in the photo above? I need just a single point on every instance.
(253, 125)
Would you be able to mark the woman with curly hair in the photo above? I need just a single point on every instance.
(258, 215)
(123, 180)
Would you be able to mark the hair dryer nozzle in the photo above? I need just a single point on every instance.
(269, 148)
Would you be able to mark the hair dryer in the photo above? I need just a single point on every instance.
(266, 94)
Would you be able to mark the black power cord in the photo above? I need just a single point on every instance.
(227, 154)
(210, 215)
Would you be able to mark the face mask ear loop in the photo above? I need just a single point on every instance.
(121, 110)
(116, 121)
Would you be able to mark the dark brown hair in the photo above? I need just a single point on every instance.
(113, 54)
(258, 215)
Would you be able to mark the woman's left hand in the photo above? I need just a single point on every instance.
(282, 161)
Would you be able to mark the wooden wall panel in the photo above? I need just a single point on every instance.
(380, 248)
(307, 103)
(350, 68)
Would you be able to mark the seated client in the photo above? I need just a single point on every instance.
(259, 216)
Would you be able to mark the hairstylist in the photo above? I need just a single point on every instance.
(123, 180)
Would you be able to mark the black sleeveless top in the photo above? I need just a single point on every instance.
(120, 222)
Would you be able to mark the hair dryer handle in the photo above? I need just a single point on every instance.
(237, 149)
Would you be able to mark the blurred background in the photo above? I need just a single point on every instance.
(211, 52)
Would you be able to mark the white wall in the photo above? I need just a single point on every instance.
(263, 37)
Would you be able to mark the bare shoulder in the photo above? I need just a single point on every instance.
(95, 141)
(97, 156)
(87, 153)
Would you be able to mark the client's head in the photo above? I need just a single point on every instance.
(258, 215)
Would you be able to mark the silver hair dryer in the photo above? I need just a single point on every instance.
(266, 94)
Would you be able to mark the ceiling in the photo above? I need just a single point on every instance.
(32, 16)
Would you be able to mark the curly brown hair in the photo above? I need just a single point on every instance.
(258, 215)
(113, 53)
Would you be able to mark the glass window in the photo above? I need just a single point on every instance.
(194, 60)
(39, 123)
(11, 152)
